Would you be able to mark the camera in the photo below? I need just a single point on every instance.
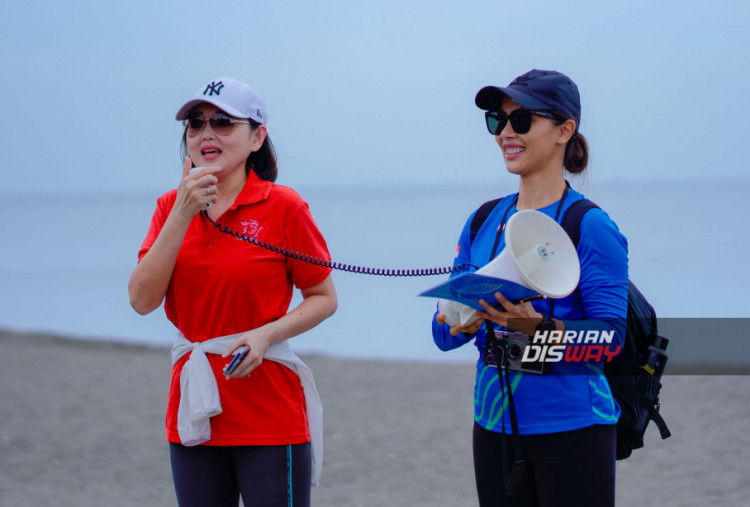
(512, 344)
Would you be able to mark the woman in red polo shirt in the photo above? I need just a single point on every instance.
(253, 432)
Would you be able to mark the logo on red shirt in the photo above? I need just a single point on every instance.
(251, 228)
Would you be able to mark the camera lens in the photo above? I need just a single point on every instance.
(515, 351)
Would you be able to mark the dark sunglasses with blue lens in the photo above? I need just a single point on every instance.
(520, 120)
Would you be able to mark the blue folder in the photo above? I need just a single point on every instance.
(469, 288)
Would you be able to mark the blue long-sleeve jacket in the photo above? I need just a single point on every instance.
(571, 395)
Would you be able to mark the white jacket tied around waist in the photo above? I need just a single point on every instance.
(199, 392)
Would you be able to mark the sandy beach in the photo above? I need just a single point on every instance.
(81, 424)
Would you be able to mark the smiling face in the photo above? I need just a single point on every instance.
(229, 151)
(542, 148)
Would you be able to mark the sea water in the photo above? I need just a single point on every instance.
(66, 259)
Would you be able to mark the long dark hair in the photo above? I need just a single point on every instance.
(263, 161)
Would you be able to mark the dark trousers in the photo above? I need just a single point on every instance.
(266, 476)
(571, 468)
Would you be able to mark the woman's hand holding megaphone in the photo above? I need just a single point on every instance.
(514, 315)
(469, 328)
(521, 317)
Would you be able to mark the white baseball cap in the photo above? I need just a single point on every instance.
(232, 97)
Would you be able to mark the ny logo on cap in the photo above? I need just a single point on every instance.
(213, 88)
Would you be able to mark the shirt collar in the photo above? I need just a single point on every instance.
(254, 191)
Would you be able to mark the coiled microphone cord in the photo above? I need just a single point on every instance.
(337, 265)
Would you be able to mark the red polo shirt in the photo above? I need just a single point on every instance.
(222, 285)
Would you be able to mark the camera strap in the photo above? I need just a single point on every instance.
(513, 474)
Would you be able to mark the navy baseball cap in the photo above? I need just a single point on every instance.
(545, 90)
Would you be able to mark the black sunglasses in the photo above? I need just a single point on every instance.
(520, 120)
(220, 123)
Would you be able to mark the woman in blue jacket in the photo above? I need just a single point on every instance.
(565, 418)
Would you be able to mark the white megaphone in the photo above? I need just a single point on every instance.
(538, 254)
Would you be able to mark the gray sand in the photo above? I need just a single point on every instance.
(81, 424)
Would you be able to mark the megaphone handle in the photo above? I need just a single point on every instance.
(529, 299)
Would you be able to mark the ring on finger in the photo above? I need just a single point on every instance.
(208, 190)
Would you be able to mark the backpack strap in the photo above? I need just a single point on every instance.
(660, 423)
(571, 221)
(481, 215)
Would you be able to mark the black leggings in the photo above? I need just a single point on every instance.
(562, 469)
(267, 476)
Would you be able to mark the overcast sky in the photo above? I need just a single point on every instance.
(366, 92)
